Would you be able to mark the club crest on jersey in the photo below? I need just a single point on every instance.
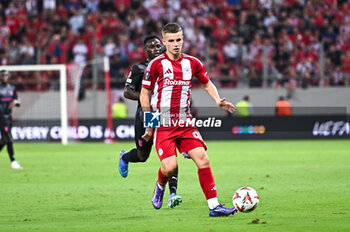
(187, 70)
(147, 76)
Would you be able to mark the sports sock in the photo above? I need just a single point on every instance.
(131, 156)
(162, 179)
(213, 202)
(173, 182)
(10, 151)
(206, 180)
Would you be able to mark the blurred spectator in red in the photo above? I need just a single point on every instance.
(61, 10)
(4, 35)
(57, 49)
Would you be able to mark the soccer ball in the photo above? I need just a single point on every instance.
(245, 199)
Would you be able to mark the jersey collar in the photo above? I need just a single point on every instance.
(166, 56)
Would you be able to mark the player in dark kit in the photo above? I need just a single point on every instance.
(153, 47)
(8, 99)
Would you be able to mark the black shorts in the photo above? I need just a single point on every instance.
(141, 144)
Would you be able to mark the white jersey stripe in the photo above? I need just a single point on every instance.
(165, 101)
(154, 98)
(151, 62)
(187, 75)
(184, 102)
(186, 55)
(155, 137)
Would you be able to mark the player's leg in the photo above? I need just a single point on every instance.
(14, 163)
(6, 139)
(133, 156)
(195, 147)
(173, 181)
(169, 165)
(10, 151)
(174, 199)
(207, 182)
(2, 143)
(3, 133)
(138, 154)
(206, 178)
(166, 149)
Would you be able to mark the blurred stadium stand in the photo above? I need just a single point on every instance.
(244, 43)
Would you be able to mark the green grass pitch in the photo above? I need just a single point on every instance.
(303, 186)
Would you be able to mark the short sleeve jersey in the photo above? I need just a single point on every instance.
(134, 80)
(171, 82)
(7, 95)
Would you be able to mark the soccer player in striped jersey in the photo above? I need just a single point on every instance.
(8, 100)
(166, 87)
(153, 47)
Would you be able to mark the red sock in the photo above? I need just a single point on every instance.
(162, 179)
(206, 179)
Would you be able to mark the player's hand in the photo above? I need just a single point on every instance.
(225, 105)
(12, 105)
(148, 134)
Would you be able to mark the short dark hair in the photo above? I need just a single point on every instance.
(281, 98)
(171, 28)
(3, 71)
(246, 98)
(149, 37)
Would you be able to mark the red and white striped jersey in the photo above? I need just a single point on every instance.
(171, 83)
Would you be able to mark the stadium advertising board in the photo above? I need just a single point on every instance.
(297, 127)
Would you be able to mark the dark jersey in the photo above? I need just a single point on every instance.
(134, 80)
(7, 95)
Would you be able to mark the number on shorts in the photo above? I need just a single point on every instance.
(197, 135)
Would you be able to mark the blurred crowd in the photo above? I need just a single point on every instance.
(244, 43)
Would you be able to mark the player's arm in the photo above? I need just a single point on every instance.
(202, 75)
(15, 101)
(145, 97)
(131, 94)
(132, 82)
(220, 102)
